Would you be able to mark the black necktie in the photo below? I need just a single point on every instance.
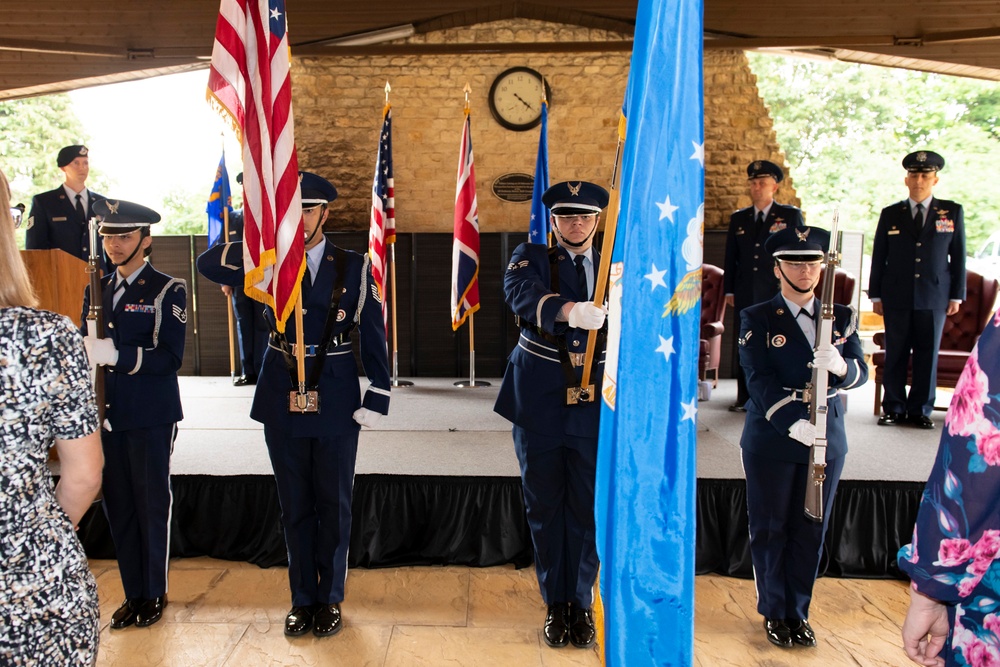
(760, 221)
(119, 290)
(581, 275)
(918, 219)
(79, 208)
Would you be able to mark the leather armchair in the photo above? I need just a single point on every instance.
(961, 331)
(843, 287)
(713, 309)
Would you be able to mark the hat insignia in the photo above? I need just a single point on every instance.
(83, 150)
(113, 207)
(575, 191)
(921, 157)
(756, 165)
(803, 235)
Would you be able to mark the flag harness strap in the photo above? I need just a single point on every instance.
(569, 371)
(329, 341)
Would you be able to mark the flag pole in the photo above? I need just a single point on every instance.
(396, 382)
(607, 247)
(229, 301)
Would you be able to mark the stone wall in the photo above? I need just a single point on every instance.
(338, 105)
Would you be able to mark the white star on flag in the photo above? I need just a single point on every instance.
(666, 347)
(699, 153)
(656, 277)
(667, 209)
(275, 14)
(690, 410)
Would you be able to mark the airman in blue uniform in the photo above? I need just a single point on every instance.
(917, 280)
(748, 277)
(145, 321)
(313, 453)
(58, 218)
(776, 344)
(550, 291)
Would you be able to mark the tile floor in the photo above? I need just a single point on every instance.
(224, 613)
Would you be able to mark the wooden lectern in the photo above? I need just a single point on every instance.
(59, 279)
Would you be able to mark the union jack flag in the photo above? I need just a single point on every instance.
(383, 216)
(250, 85)
(465, 250)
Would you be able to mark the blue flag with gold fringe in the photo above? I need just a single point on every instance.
(645, 492)
(538, 230)
(218, 202)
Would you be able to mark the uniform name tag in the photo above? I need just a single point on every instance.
(62, 219)
(893, 232)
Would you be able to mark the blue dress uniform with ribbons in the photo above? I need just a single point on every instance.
(313, 454)
(776, 354)
(147, 324)
(54, 220)
(556, 443)
(915, 273)
(748, 268)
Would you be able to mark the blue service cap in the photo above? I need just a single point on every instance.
(800, 244)
(316, 190)
(921, 161)
(579, 198)
(118, 216)
(762, 168)
(69, 153)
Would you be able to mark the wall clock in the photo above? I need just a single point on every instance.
(516, 98)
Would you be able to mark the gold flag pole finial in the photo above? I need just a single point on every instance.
(387, 89)
(467, 90)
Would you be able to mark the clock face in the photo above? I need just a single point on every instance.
(516, 98)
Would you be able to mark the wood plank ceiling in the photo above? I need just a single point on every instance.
(51, 46)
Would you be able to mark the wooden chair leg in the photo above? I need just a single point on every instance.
(878, 398)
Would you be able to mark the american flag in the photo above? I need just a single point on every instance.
(465, 251)
(250, 85)
(383, 217)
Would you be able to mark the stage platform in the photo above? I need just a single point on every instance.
(437, 483)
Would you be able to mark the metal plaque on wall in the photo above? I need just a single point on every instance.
(514, 187)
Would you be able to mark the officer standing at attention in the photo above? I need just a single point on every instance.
(313, 452)
(550, 292)
(917, 280)
(776, 345)
(145, 320)
(748, 277)
(58, 218)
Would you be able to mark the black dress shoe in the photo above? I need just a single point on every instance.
(737, 407)
(921, 421)
(556, 629)
(801, 632)
(245, 380)
(326, 620)
(299, 621)
(581, 627)
(890, 419)
(777, 632)
(150, 611)
(124, 616)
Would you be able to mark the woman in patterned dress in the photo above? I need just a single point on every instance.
(954, 558)
(48, 597)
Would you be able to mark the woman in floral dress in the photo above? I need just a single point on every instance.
(954, 614)
(48, 597)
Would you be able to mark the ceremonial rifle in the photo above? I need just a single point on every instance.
(95, 313)
(817, 389)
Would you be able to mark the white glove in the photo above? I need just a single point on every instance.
(585, 315)
(829, 359)
(101, 351)
(366, 417)
(804, 431)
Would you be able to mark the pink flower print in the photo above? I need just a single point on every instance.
(992, 623)
(971, 393)
(988, 444)
(978, 653)
(953, 552)
(988, 545)
(996, 319)
(967, 586)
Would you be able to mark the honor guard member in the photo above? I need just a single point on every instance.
(917, 280)
(776, 344)
(58, 218)
(313, 451)
(140, 350)
(748, 272)
(550, 292)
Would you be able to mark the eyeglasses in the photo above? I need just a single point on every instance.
(802, 266)
(574, 218)
(17, 213)
(119, 237)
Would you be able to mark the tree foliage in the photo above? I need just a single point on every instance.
(846, 127)
(183, 212)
